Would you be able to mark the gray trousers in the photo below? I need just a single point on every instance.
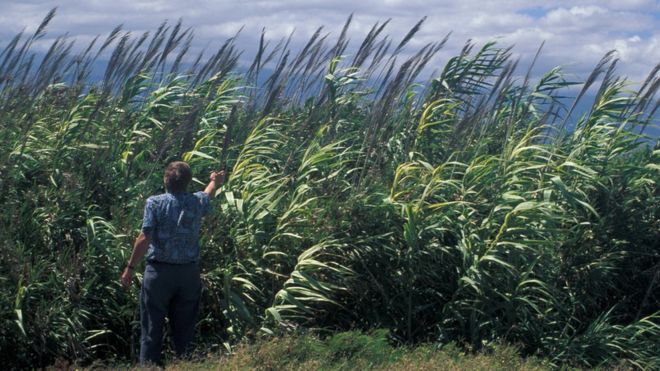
(172, 291)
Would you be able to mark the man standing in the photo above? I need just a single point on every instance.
(171, 285)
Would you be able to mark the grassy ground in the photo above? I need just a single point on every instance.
(346, 353)
(355, 351)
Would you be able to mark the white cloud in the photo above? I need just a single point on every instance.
(577, 33)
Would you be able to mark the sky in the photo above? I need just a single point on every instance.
(576, 33)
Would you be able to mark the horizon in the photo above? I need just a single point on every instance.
(409, 42)
(575, 34)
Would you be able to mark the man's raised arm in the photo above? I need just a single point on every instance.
(217, 178)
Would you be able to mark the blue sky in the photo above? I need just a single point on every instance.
(576, 33)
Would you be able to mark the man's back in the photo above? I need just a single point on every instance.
(172, 222)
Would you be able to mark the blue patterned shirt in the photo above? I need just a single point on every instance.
(172, 222)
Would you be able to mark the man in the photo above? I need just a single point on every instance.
(171, 283)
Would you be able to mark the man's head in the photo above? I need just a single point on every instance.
(177, 176)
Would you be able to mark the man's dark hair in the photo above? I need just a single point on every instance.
(177, 176)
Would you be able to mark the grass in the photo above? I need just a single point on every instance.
(353, 351)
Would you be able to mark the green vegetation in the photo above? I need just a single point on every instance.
(356, 351)
(459, 211)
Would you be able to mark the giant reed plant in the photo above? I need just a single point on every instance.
(465, 211)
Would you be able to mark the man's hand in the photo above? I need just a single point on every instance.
(139, 249)
(218, 177)
(127, 277)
